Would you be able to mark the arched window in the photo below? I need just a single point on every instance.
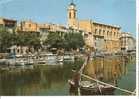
(107, 33)
(70, 15)
(103, 32)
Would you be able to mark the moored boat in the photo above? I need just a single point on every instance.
(88, 88)
(95, 89)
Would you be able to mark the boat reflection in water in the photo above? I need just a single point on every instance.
(42, 80)
(108, 70)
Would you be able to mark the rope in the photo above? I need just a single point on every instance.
(124, 90)
(134, 91)
(80, 71)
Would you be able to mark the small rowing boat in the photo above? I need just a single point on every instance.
(88, 88)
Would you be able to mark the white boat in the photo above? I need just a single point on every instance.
(60, 58)
(20, 62)
(69, 57)
(41, 61)
(51, 57)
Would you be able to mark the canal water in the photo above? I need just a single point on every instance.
(52, 80)
(121, 70)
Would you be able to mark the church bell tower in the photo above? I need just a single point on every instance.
(72, 17)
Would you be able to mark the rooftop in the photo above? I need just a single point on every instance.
(6, 19)
(72, 3)
(107, 25)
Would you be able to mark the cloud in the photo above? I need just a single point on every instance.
(5, 1)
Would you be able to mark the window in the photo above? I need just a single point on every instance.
(70, 15)
(74, 15)
(85, 35)
(95, 31)
(99, 31)
(90, 33)
(107, 33)
(29, 25)
(103, 32)
(113, 34)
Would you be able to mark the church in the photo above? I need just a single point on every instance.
(103, 37)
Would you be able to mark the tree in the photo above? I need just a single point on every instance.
(54, 40)
(6, 40)
(67, 41)
(74, 41)
(28, 39)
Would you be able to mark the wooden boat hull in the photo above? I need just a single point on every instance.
(105, 90)
(97, 91)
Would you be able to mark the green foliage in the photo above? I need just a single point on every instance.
(27, 39)
(73, 40)
(5, 40)
(67, 41)
(57, 40)
(54, 40)
(8, 39)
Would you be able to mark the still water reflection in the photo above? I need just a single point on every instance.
(111, 69)
(52, 80)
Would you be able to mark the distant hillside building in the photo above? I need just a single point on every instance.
(98, 35)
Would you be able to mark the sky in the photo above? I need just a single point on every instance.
(114, 12)
(138, 12)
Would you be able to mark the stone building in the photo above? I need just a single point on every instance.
(98, 35)
(28, 26)
(47, 28)
(127, 42)
(8, 24)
